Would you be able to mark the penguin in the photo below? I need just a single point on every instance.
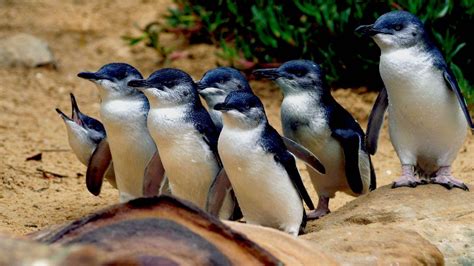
(428, 117)
(185, 135)
(123, 111)
(84, 133)
(214, 87)
(314, 119)
(262, 172)
(216, 84)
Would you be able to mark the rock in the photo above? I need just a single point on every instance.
(376, 245)
(443, 217)
(24, 252)
(160, 230)
(25, 50)
(166, 229)
(290, 250)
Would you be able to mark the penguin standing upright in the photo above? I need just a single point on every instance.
(262, 172)
(428, 117)
(124, 112)
(185, 136)
(311, 117)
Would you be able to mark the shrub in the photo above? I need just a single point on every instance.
(261, 32)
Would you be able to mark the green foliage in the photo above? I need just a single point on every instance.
(274, 31)
(151, 36)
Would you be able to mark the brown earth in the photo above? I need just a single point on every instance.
(84, 35)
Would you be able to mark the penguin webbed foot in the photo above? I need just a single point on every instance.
(408, 178)
(444, 178)
(318, 213)
(406, 181)
(321, 210)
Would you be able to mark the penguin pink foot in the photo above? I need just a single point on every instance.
(408, 178)
(443, 177)
(321, 210)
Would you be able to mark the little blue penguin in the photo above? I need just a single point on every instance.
(84, 134)
(124, 112)
(262, 172)
(311, 117)
(185, 135)
(214, 87)
(428, 117)
(216, 84)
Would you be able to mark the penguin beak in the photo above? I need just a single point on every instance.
(139, 84)
(63, 115)
(200, 86)
(369, 30)
(267, 73)
(76, 113)
(91, 76)
(364, 30)
(222, 107)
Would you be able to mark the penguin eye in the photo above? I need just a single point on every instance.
(171, 83)
(298, 72)
(398, 27)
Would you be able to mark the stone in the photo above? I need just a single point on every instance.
(160, 230)
(26, 252)
(376, 245)
(443, 217)
(288, 249)
(25, 50)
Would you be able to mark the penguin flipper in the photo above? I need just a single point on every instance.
(153, 177)
(288, 161)
(217, 192)
(97, 167)
(304, 154)
(350, 142)
(449, 78)
(376, 121)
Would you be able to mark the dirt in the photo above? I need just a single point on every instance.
(84, 35)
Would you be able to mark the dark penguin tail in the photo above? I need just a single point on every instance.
(303, 223)
(373, 178)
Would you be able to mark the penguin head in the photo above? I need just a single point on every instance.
(168, 87)
(396, 29)
(112, 78)
(296, 76)
(242, 109)
(81, 125)
(217, 83)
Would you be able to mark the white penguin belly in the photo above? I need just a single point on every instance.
(188, 161)
(317, 138)
(130, 144)
(426, 123)
(80, 143)
(263, 188)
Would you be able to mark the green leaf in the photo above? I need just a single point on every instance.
(457, 49)
(443, 11)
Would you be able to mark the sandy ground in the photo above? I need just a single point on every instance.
(84, 35)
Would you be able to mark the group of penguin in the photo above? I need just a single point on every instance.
(156, 136)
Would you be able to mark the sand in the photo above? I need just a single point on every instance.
(84, 35)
